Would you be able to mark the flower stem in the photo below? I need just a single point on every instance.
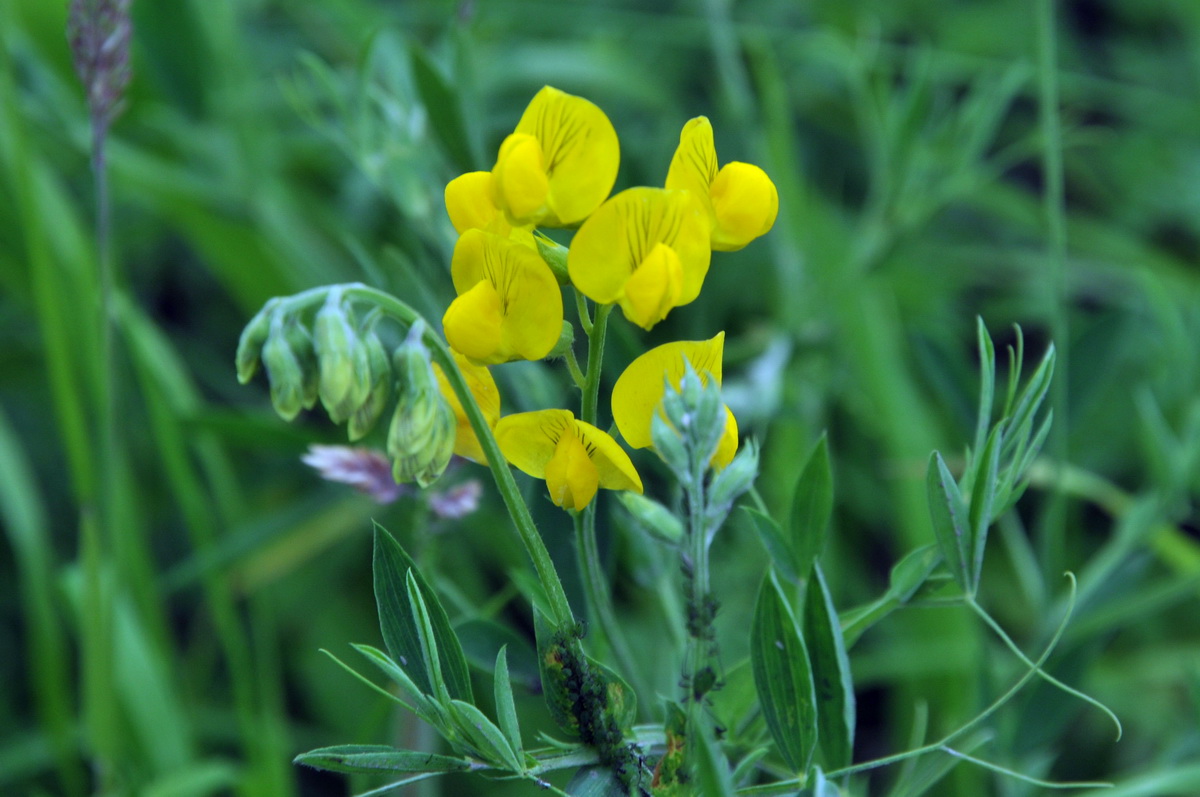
(559, 607)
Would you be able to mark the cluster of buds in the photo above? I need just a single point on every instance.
(345, 364)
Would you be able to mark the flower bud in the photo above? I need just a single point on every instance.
(345, 366)
(251, 343)
(566, 340)
(669, 447)
(421, 437)
(555, 255)
(301, 344)
(365, 417)
(653, 517)
(284, 372)
(728, 485)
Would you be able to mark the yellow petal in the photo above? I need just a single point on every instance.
(528, 296)
(548, 444)
(654, 287)
(729, 442)
(744, 202)
(528, 439)
(570, 474)
(483, 388)
(520, 183)
(615, 469)
(473, 323)
(580, 152)
(639, 390)
(616, 239)
(469, 203)
(694, 165)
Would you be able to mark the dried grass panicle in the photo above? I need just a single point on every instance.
(99, 33)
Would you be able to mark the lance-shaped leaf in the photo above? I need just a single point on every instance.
(777, 545)
(983, 496)
(483, 735)
(811, 508)
(400, 630)
(713, 776)
(831, 674)
(950, 521)
(557, 652)
(374, 758)
(506, 709)
(782, 677)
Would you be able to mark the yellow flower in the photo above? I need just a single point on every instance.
(740, 199)
(470, 206)
(559, 164)
(575, 458)
(483, 388)
(639, 390)
(646, 249)
(509, 305)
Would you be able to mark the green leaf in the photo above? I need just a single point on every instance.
(713, 776)
(596, 781)
(781, 553)
(831, 674)
(911, 571)
(429, 647)
(506, 709)
(949, 515)
(983, 497)
(373, 758)
(400, 633)
(782, 677)
(484, 736)
(987, 383)
(420, 700)
(811, 508)
(442, 105)
(621, 701)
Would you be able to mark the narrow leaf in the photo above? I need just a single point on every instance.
(949, 515)
(831, 674)
(557, 653)
(372, 758)
(429, 647)
(596, 781)
(442, 104)
(506, 709)
(400, 633)
(484, 736)
(987, 383)
(983, 497)
(781, 553)
(782, 677)
(713, 776)
(811, 508)
(910, 572)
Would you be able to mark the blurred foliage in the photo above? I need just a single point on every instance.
(266, 147)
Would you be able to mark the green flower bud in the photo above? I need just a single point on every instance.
(365, 417)
(284, 372)
(345, 367)
(696, 414)
(301, 344)
(555, 255)
(250, 345)
(566, 339)
(728, 485)
(653, 517)
(421, 437)
(669, 447)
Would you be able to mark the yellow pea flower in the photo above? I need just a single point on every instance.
(483, 388)
(509, 305)
(639, 390)
(470, 206)
(646, 249)
(740, 199)
(575, 458)
(559, 164)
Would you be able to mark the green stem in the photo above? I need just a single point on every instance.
(576, 372)
(1053, 206)
(559, 608)
(587, 547)
(696, 655)
(585, 318)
